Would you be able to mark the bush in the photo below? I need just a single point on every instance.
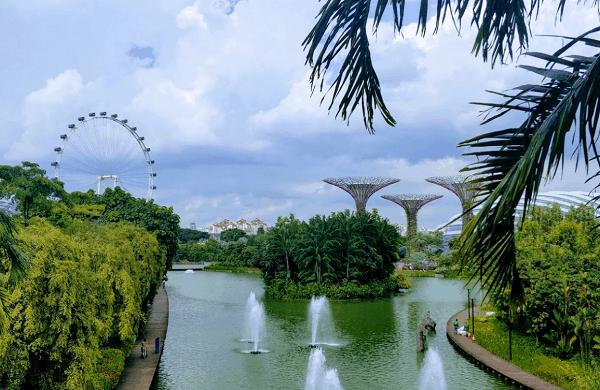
(288, 290)
(109, 367)
(400, 279)
(83, 296)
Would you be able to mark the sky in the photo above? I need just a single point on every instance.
(219, 90)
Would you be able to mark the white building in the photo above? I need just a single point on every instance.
(565, 200)
(251, 228)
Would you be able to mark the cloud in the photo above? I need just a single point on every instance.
(219, 89)
(191, 17)
(40, 111)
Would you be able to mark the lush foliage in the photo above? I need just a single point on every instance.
(86, 291)
(231, 235)
(30, 187)
(287, 289)
(557, 256)
(117, 205)
(191, 235)
(342, 249)
(530, 356)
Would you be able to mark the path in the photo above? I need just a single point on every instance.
(491, 362)
(138, 373)
(186, 266)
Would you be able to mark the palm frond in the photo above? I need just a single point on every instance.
(18, 262)
(512, 163)
(342, 31)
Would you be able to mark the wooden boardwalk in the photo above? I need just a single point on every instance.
(490, 362)
(139, 373)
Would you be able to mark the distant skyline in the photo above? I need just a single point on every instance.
(219, 90)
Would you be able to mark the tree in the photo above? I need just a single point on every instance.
(122, 206)
(511, 162)
(30, 187)
(234, 234)
(12, 262)
(282, 240)
(316, 254)
(191, 235)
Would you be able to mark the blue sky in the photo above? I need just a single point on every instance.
(219, 89)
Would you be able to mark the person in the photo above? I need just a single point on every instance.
(456, 325)
(466, 328)
(143, 351)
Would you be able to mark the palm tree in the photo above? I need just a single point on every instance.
(283, 240)
(17, 263)
(317, 248)
(511, 163)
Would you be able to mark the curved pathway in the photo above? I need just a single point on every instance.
(138, 373)
(491, 362)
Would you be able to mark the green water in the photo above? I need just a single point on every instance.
(377, 338)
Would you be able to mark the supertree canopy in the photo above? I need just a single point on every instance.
(411, 203)
(460, 186)
(361, 187)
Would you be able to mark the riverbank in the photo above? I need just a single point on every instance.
(492, 334)
(139, 373)
(490, 362)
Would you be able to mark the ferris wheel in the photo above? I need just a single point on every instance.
(102, 151)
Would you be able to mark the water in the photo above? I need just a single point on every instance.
(321, 324)
(318, 375)
(432, 374)
(377, 352)
(189, 271)
(254, 324)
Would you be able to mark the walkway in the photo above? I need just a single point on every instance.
(138, 373)
(186, 266)
(491, 362)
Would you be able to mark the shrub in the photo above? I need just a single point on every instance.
(400, 279)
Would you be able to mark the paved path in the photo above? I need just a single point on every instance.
(491, 362)
(186, 266)
(138, 373)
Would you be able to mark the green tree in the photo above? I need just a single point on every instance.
(30, 187)
(122, 206)
(234, 234)
(191, 235)
(12, 262)
(283, 240)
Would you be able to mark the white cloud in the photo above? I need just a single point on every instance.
(41, 109)
(191, 17)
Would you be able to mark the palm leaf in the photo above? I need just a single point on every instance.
(512, 163)
(341, 32)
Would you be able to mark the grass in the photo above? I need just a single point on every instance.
(420, 274)
(220, 267)
(527, 354)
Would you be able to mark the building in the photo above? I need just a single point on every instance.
(564, 199)
(251, 228)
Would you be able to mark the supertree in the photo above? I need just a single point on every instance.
(460, 186)
(361, 187)
(411, 203)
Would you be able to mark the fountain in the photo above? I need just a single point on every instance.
(432, 375)
(320, 321)
(318, 376)
(254, 323)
